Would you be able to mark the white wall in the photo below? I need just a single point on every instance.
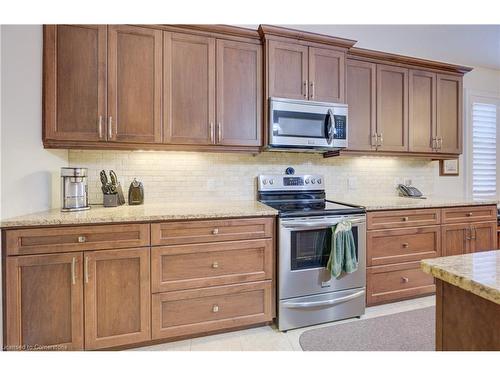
(29, 173)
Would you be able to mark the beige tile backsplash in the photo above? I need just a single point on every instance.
(201, 176)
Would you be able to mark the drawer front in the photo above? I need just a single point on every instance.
(403, 218)
(184, 232)
(392, 283)
(64, 239)
(198, 311)
(403, 245)
(469, 214)
(203, 265)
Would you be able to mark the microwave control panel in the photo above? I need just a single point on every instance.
(340, 124)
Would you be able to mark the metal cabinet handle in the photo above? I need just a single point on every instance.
(440, 143)
(99, 127)
(312, 90)
(468, 214)
(215, 265)
(304, 89)
(374, 140)
(82, 239)
(215, 231)
(381, 139)
(473, 230)
(406, 218)
(86, 270)
(434, 145)
(215, 308)
(110, 128)
(211, 130)
(73, 271)
(406, 245)
(405, 279)
(219, 132)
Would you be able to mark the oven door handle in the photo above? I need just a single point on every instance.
(319, 225)
(335, 301)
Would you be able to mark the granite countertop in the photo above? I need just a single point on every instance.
(147, 212)
(394, 202)
(478, 273)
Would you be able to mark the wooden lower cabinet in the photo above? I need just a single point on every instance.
(44, 302)
(395, 282)
(190, 312)
(455, 239)
(117, 297)
(484, 236)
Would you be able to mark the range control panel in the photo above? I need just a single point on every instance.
(290, 182)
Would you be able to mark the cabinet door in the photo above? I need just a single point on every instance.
(449, 113)
(117, 297)
(239, 93)
(74, 82)
(422, 111)
(134, 85)
(326, 75)
(189, 89)
(392, 108)
(455, 239)
(484, 236)
(361, 98)
(287, 70)
(44, 302)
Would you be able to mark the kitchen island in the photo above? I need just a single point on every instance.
(467, 300)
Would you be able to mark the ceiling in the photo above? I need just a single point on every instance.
(471, 45)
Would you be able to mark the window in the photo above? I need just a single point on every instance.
(484, 150)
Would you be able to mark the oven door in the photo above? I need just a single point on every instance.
(307, 125)
(304, 249)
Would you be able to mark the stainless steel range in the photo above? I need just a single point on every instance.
(307, 294)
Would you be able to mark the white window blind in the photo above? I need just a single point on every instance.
(484, 150)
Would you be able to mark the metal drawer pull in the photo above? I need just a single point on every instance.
(298, 305)
(73, 271)
(215, 231)
(405, 245)
(215, 265)
(406, 218)
(215, 308)
(82, 239)
(405, 279)
(86, 271)
(468, 214)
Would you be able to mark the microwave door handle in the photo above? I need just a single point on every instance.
(298, 305)
(330, 129)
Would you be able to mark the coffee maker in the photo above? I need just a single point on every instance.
(74, 190)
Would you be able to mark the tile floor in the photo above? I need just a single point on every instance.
(268, 338)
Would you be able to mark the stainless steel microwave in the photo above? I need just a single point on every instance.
(303, 125)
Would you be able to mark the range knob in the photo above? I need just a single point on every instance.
(264, 181)
(307, 180)
(271, 182)
(313, 181)
(319, 180)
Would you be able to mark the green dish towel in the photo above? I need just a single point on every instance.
(342, 250)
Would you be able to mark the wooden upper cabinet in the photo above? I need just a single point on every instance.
(422, 111)
(392, 108)
(134, 84)
(361, 98)
(287, 70)
(326, 75)
(189, 89)
(74, 80)
(449, 113)
(239, 93)
(44, 302)
(117, 297)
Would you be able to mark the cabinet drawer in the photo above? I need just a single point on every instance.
(204, 265)
(184, 232)
(403, 245)
(196, 311)
(64, 239)
(403, 219)
(469, 214)
(392, 283)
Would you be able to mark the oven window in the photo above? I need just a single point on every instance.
(298, 124)
(311, 248)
